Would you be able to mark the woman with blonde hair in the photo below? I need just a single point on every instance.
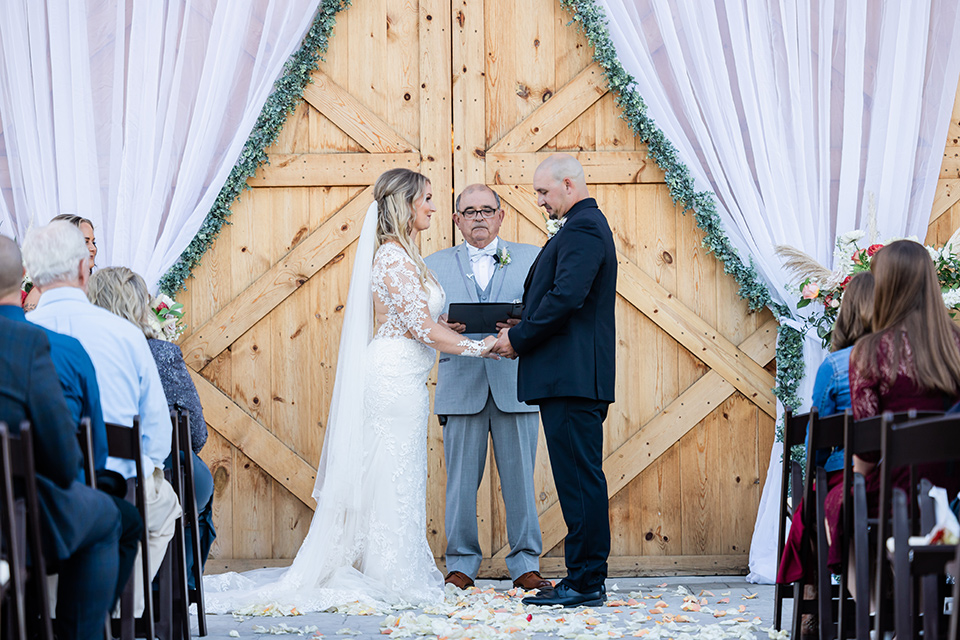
(367, 540)
(124, 293)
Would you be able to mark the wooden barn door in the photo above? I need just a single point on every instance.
(476, 91)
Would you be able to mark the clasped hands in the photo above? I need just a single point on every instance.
(495, 347)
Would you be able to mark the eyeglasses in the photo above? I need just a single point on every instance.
(485, 212)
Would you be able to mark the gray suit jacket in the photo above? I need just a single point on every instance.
(463, 383)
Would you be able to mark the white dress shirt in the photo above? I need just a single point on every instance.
(126, 372)
(482, 262)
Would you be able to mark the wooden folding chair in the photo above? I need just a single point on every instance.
(929, 441)
(124, 442)
(794, 434)
(13, 539)
(191, 515)
(179, 606)
(954, 569)
(860, 437)
(24, 472)
(825, 435)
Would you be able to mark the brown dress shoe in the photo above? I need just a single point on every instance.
(532, 580)
(459, 580)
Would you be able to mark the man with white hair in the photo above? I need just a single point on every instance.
(58, 262)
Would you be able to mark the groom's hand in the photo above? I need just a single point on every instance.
(503, 346)
(459, 327)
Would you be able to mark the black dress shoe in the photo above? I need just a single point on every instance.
(567, 597)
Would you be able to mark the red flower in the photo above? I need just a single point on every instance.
(162, 306)
(843, 285)
(872, 249)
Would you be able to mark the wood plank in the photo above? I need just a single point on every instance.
(660, 433)
(553, 568)
(599, 167)
(357, 121)
(631, 566)
(469, 105)
(687, 328)
(575, 97)
(330, 169)
(947, 195)
(255, 441)
(218, 454)
(436, 117)
(285, 277)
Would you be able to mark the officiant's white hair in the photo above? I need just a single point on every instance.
(51, 253)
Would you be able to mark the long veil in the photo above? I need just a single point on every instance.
(323, 574)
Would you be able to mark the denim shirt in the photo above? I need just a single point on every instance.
(831, 394)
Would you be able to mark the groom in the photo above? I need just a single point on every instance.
(566, 342)
(478, 396)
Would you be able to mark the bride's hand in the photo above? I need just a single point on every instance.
(487, 352)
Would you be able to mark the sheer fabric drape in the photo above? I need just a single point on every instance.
(798, 115)
(132, 114)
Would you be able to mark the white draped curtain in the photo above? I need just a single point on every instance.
(798, 114)
(133, 113)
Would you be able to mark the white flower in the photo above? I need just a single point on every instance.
(553, 225)
(850, 237)
(951, 298)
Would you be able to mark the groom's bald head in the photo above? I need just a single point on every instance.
(560, 183)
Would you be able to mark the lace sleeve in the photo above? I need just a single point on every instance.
(396, 283)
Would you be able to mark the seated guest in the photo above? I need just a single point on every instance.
(86, 228)
(831, 394)
(78, 382)
(32, 295)
(58, 262)
(910, 361)
(81, 526)
(123, 292)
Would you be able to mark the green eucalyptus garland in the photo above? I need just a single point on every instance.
(286, 95)
(592, 22)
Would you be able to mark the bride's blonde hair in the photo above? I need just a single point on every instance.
(397, 192)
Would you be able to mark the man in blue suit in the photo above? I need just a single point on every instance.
(478, 396)
(81, 526)
(566, 342)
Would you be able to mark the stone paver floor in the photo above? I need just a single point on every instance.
(652, 608)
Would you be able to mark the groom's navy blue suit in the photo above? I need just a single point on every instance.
(566, 342)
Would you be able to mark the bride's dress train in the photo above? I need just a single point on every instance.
(367, 540)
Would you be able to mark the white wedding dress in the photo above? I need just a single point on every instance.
(367, 540)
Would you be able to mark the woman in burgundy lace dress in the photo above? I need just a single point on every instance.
(911, 361)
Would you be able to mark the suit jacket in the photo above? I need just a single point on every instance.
(567, 337)
(463, 383)
(30, 390)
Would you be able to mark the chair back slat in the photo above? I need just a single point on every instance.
(794, 429)
(85, 438)
(14, 543)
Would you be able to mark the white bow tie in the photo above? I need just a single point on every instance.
(476, 254)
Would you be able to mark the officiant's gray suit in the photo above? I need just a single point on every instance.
(479, 396)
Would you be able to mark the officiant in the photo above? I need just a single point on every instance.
(478, 396)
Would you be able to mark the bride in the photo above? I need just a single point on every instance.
(367, 540)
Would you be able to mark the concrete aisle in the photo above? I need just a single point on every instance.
(692, 607)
